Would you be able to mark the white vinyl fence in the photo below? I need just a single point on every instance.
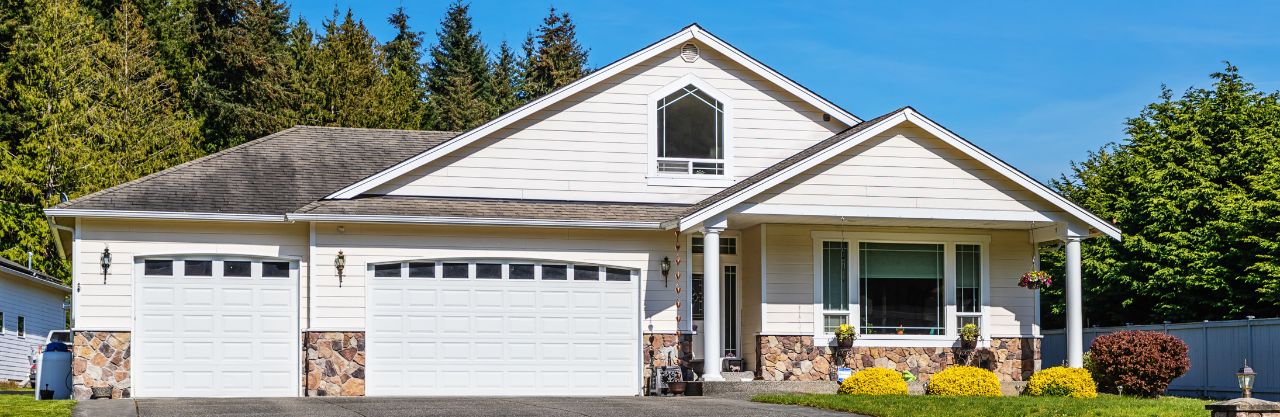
(1217, 350)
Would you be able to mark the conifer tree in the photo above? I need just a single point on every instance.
(553, 57)
(349, 75)
(303, 80)
(506, 81)
(405, 74)
(458, 88)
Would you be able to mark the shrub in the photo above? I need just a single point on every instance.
(1144, 363)
(1062, 382)
(875, 381)
(965, 381)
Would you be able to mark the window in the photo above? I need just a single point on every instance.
(157, 267)
(22, 326)
(386, 270)
(835, 285)
(728, 245)
(275, 269)
(729, 317)
(2, 328)
(696, 297)
(690, 129)
(236, 268)
(192, 268)
(555, 272)
(968, 285)
(901, 287)
(586, 273)
(617, 274)
(456, 270)
(422, 269)
(489, 271)
(520, 271)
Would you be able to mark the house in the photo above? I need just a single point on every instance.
(31, 304)
(540, 253)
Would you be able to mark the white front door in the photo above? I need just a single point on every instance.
(524, 330)
(207, 327)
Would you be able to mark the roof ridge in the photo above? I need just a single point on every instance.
(377, 129)
(177, 167)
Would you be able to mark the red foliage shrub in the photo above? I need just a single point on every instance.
(1144, 363)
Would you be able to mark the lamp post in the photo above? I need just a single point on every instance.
(340, 263)
(1245, 378)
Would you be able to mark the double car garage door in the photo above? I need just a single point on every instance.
(229, 327)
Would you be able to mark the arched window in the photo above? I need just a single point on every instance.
(690, 133)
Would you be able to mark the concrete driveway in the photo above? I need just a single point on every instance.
(442, 406)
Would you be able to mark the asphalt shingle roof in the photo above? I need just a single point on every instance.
(9, 267)
(276, 174)
(496, 209)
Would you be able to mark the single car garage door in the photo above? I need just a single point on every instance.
(212, 327)
(502, 327)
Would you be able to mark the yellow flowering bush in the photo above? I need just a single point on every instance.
(964, 381)
(875, 381)
(1062, 382)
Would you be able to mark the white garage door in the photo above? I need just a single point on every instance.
(502, 328)
(216, 328)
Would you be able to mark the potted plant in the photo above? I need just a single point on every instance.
(969, 336)
(675, 383)
(845, 335)
(1035, 280)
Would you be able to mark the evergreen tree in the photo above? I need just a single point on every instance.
(137, 117)
(457, 77)
(553, 58)
(349, 75)
(244, 93)
(303, 80)
(1195, 190)
(48, 79)
(405, 74)
(506, 81)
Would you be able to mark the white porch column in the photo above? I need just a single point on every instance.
(711, 336)
(1075, 313)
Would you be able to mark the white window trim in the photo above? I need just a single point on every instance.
(949, 241)
(689, 180)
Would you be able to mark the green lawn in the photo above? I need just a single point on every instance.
(27, 406)
(923, 405)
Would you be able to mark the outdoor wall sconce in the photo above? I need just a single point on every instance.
(1245, 377)
(105, 260)
(340, 263)
(666, 269)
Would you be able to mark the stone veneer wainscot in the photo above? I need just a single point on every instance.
(795, 358)
(100, 359)
(334, 364)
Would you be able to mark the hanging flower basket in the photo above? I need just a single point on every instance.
(1035, 280)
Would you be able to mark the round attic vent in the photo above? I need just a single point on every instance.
(689, 52)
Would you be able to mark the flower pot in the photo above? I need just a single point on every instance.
(677, 387)
(968, 344)
(844, 343)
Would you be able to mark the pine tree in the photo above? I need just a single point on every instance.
(553, 58)
(244, 92)
(49, 80)
(303, 80)
(137, 117)
(457, 77)
(405, 74)
(506, 81)
(349, 75)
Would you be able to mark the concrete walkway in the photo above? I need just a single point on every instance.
(442, 406)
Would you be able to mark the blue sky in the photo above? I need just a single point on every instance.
(1038, 84)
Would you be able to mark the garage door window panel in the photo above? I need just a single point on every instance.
(586, 273)
(237, 269)
(422, 269)
(457, 270)
(390, 270)
(197, 268)
(488, 271)
(521, 271)
(555, 272)
(275, 269)
(157, 267)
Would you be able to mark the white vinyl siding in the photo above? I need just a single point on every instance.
(343, 307)
(905, 172)
(790, 285)
(40, 308)
(110, 306)
(595, 145)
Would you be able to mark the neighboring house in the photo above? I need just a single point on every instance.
(525, 257)
(31, 304)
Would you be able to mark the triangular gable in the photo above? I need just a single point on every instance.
(692, 32)
(770, 185)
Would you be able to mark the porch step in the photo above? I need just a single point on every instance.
(738, 376)
(747, 389)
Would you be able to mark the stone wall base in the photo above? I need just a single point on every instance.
(665, 349)
(100, 359)
(795, 358)
(333, 364)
